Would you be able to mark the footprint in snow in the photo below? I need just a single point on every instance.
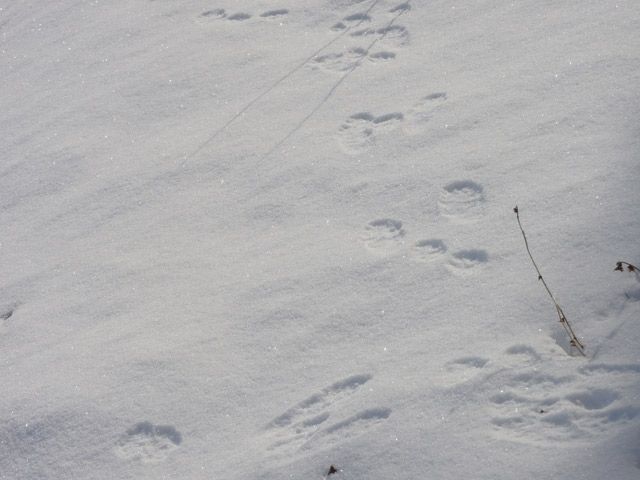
(423, 111)
(342, 4)
(462, 200)
(427, 251)
(535, 407)
(463, 369)
(278, 13)
(339, 62)
(348, 60)
(148, 443)
(532, 400)
(384, 236)
(6, 314)
(467, 262)
(295, 427)
(214, 14)
(352, 427)
(403, 7)
(361, 130)
(381, 56)
(221, 13)
(390, 35)
(239, 17)
(350, 21)
(394, 35)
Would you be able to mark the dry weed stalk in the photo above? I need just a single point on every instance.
(573, 339)
(630, 267)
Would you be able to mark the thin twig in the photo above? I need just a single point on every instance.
(561, 316)
(630, 267)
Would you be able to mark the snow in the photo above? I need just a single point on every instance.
(254, 239)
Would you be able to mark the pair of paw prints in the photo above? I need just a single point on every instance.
(307, 425)
(364, 130)
(387, 236)
(221, 13)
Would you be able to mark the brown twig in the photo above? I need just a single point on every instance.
(573, 339)
(630, 267)
(332, 471)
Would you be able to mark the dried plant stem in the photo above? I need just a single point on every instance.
(561, 316)
(630, 267)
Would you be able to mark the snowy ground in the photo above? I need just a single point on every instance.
(252, 239)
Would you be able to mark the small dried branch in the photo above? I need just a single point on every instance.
(630, 267)
(573, 339)
(332, 471)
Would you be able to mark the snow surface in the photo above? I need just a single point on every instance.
(253, 239)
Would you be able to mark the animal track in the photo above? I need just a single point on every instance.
(610, 369)
(423, 111)
(462, 200)
(357, 18)
(593, 400)
(364, 32)
(339, 62)
(463, 369)
(5, 314)
(215, 13)
(239, 17)
(275, 13)
(350, 20)
(354, 426)
(381, 56)
(523, 353)
(317, 402)
(534, 404)
(428, 250)
(467, 261)
(384, 236)
(540, 414)
(359, 131)
(342, 62)
(469, 362)
(297, 425)
(362, 129)
(403, 7)
(220, 13)
(393, 35)
(147, 442)
(344, 3)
